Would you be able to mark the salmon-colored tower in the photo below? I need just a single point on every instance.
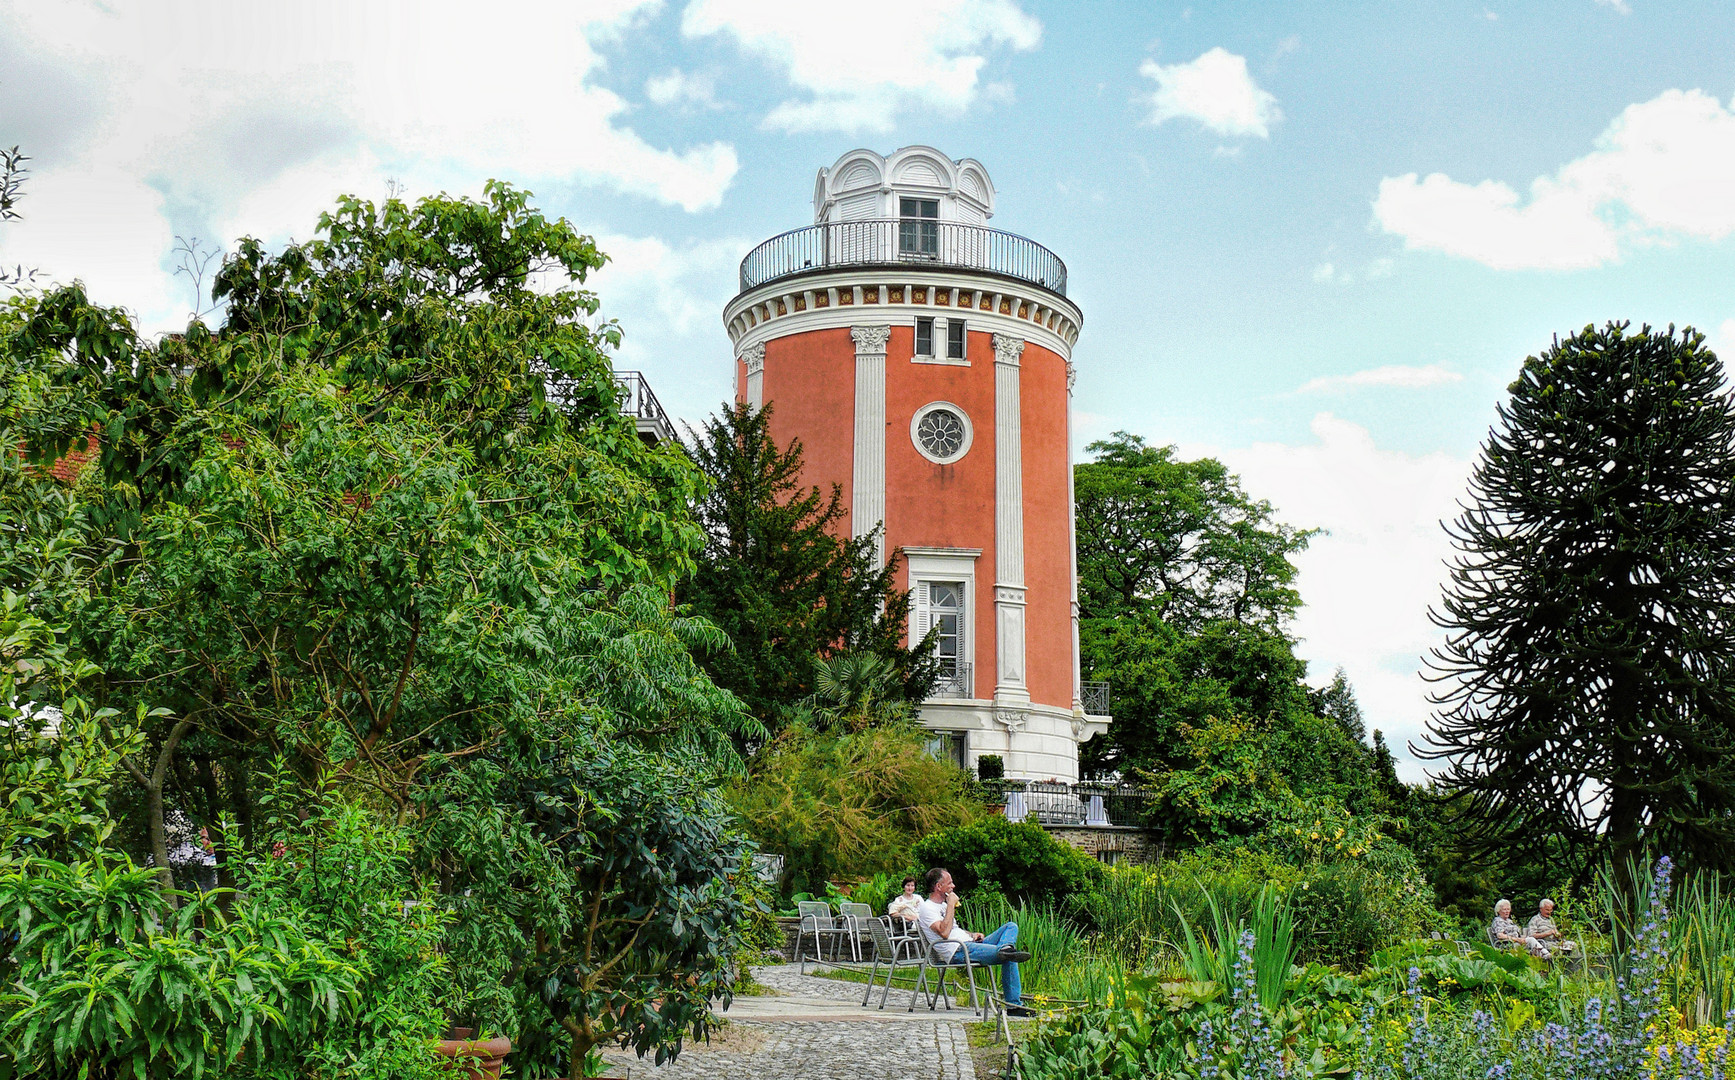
(924, 360)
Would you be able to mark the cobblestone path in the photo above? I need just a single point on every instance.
(766, 1039)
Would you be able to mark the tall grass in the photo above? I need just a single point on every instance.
(1699, 979)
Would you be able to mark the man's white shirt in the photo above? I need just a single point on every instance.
(927, 914)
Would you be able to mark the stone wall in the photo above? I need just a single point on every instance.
(1110, 843)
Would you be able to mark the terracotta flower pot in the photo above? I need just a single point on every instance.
(474, 1059)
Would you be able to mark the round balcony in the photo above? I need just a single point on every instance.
(914, 243)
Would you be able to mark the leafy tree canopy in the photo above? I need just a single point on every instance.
(1589, 670)
(1179, 537)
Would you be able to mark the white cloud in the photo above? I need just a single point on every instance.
(1327, 273)
(1664, 170)
(669, 300)
(253, 114)
(1723, 343)
(680, 88)
(1216, 90)
(858, 66)
(1619, 5)
(1366, 585)
(1392, 375)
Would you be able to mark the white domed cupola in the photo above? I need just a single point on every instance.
(915, 182)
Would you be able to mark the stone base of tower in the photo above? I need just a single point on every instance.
(1035, 742)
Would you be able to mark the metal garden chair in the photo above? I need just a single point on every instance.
(816, 922)
(855, 918)
(893, 953)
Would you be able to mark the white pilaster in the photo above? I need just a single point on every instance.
(1010, 684)
(754, 357)
(1072, 548)
(868, 492)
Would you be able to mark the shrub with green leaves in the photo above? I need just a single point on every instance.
(1020, 861)
(848, 805)
(112, 981)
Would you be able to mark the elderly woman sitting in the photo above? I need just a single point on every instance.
(1503, 931)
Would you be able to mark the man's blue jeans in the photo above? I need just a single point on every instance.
(987, 951)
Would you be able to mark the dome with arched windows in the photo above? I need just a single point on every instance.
(914, 182)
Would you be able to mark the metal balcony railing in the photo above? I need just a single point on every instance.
(905, 242)
(637, 401)
(954, 680)
(1077, 804)
(1094, 697)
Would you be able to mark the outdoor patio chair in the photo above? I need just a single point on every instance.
(893, 953)
(854, 918)
(818, 923)
(904, 935)
(960, 962)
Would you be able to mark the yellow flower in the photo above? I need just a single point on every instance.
(1315, 836)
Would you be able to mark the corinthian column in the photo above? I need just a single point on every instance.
(1010, 684)
(867, 502)
(754, 357)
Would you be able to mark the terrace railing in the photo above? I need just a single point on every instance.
(905, 243)
(638, 402)
(1094, 804)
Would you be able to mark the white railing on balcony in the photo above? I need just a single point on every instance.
(903, 242)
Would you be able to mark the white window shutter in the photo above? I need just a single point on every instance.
(922, 614)
(963, 623)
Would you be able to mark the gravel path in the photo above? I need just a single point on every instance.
(767, 1039)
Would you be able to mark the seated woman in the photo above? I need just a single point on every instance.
(903, 906)
(1503, 932)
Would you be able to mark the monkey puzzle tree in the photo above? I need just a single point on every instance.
(1589, 668)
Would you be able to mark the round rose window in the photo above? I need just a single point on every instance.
(941, 432)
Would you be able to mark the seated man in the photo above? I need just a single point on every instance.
(937, 916)
(903, 906)
(1545, 933)
(1503, 931)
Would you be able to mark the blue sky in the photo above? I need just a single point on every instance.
(1313, 239)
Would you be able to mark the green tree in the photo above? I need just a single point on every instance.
(1185, 589)
(1337, 700)
(600, 883)
(1179, 537)
(1589, 667)
(779, 580)
(390, 509)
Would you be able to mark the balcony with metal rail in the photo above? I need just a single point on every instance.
(637, 401)
(905, 243)
(954, 680)
(1094, 696)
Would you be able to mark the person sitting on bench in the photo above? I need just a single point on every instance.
(937, 916)
(1546, 934)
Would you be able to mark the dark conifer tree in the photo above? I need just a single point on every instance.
(1589, 669)
(780, 580)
